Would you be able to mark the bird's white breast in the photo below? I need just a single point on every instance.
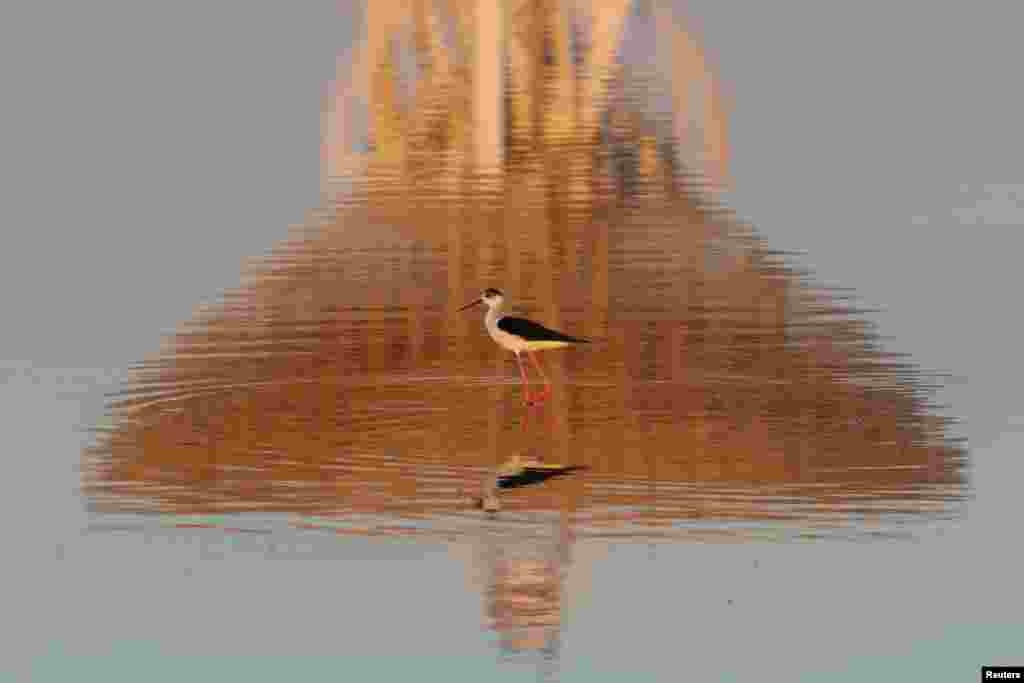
(502, 338)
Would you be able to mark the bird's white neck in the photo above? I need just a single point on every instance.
(491, 318)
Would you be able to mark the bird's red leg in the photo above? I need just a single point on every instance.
(546, 394)
(526, 382)
(528, 401)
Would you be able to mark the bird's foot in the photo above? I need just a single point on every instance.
(535, 399)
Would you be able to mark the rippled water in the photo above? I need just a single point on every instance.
(721, 387)
(338, 391)
(535, 566)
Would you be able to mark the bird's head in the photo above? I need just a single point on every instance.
(492, 298)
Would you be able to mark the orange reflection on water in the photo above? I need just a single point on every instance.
(340, 379)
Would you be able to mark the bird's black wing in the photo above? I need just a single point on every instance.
(534, 475)
(531, 331)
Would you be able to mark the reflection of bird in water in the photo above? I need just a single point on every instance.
(517, 472)
(520, 335)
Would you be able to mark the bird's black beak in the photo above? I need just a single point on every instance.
(471, 304)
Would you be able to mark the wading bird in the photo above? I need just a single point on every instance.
(519, 336)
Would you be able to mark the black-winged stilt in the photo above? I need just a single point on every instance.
(519, 336)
